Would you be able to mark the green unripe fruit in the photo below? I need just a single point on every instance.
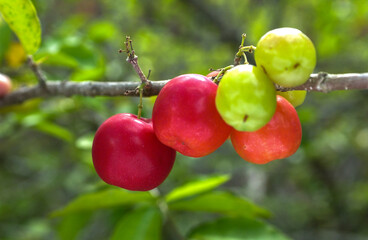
(287, 56)
(246, 98)
(296, 98)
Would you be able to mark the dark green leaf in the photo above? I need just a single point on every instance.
(140, 224)
(220, 202)
(22, 18)
(196, 187)
(236, 229)
(103, 199)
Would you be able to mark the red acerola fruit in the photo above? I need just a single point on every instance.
(126, 153)
(5, 85)
(185, 116)
(279, 138)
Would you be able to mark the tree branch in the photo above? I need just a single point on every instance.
(321, 82)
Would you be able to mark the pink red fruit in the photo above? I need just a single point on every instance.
(126, 153)
(185, 117)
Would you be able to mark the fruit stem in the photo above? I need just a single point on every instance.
(242, 50)
(140, 104)
(223, 70)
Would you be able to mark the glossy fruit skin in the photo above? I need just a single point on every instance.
(126, 153)
(185, 117)
(246, 98)
(296, 97)
(5, 85)
(287, 56)
(280, 138)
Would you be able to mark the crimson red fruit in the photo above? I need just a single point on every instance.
(185, 116)
(279, 138)
(126, 153)
(5, 85)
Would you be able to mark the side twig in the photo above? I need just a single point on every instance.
(37, 71)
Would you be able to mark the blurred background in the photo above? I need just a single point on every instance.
(321, 192)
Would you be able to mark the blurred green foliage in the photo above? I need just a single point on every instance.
(45, 162)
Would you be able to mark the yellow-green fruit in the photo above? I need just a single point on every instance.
(296, 97)
(287, 56)
(246, 98)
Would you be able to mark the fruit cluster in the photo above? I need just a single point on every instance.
(194, 116)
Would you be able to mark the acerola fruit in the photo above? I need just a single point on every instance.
(213, 74)
(126, 153)
(296, 97)
(287, 56)
(185, 117)
(246, 98)
(280, 138)
(5, 85)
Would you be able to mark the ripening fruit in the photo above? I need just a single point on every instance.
(5, 85)
(185, 117)
(287, 56)
(246, 98)
(126, 153)
(280, 138)
(296, 97)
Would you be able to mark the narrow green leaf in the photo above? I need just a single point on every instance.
(236, 229)
(22, 18)
(196, 187)
(140, 224)
(220, 202)
(55, 130)
(103, 199)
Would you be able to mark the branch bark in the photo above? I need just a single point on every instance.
(321, 82)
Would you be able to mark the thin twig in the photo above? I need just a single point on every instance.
(133, 59)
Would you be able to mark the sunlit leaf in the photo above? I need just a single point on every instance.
(220, 202)
(103, 199)
(22, 18)
(196, 187)
(85, 142)
(236, 229)
(140, 224)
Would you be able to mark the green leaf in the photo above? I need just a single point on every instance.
(196, 187)
(101, 31)
(220, 202)
(22, 18)
(103, 199)
(140, 224)
(236, 229)
(71, 225)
